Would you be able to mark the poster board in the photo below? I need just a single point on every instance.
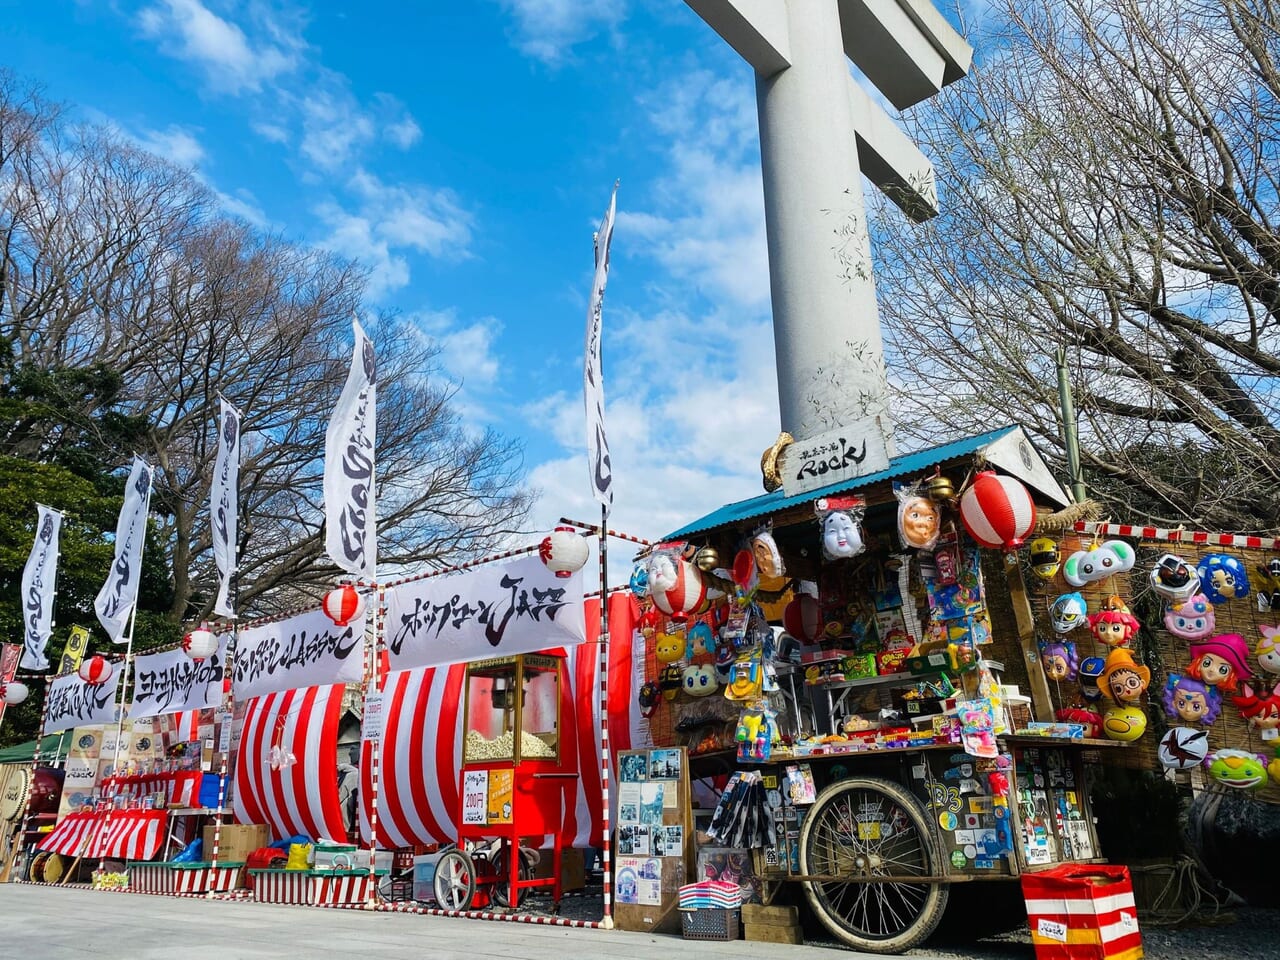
(653, 838)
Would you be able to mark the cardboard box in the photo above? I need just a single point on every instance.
(236, 841)
(572, 868)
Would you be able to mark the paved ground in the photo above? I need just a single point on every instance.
(54, 923)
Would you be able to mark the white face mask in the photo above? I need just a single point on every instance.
(841, 537)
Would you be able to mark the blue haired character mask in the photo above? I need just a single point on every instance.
(640, 581)
(1223, 577)
(1068, 612)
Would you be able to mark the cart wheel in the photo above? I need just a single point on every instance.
(455, 881)
(502, 887)
(865, 827)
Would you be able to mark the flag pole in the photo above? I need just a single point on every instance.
(606, 868)
(20, 836)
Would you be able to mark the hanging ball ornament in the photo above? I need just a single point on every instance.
(707, 559)
(343, 604)
(997, 511)
(13, 693)
(564, 551)
(200, 644)
(939, 488)
(95, 670)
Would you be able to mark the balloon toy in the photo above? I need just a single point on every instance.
(1124, 680)
(1182, 748)
(997, 511)
(1068, 612)
(1045, 558)
(1060, 659)
(1223, 577)
(1268, 649)
(1220, 661)
(1191, 619)
(1260, 708)
(1174, 579)
(1237, 768)
(1191, 700)
(1098, 562)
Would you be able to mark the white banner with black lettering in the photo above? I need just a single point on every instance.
(351, 538)
(304, 651)
(172, 682)
(224, 505)
(592, 375)
(73, 703)
(120, 591)
(515, 607)
(38, 579)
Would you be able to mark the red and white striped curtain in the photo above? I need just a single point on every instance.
(421, 753)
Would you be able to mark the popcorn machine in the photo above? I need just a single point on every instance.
(515, 779)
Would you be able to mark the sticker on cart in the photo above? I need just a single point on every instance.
(972, 821)
(947, 820)
(958, 859)
(1052, 930)
(869, 829)
(970, 851)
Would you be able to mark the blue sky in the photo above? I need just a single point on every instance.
(464, 152)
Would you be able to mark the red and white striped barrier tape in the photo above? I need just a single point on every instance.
(1248, 542)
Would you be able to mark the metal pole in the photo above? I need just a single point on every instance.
(606, 869)
(372, 685)
(1069, 436)
(35, 763)
(101, 835)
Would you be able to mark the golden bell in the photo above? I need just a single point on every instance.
(939, 488)
(707, 559)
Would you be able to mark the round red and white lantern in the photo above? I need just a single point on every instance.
(13, 693)
(802, 618)
(564, 551)
(95, 670)
(997, 511)
(343, 604)
(686, 595)
(200, 644)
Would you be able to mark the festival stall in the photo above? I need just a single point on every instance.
(855, 672)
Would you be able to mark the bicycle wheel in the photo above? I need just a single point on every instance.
(864, 828)
(455, 881)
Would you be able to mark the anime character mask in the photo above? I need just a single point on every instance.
(1068, 612)
(1191, 700)
(1174, 579)
(1268, 649)
(1191, 619)
(1061, 662)
(1098, 563)
(1045, 558)
(1223, 577)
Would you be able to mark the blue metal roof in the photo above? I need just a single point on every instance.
(911, 463)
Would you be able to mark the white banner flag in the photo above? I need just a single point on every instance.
(592, 376)
(120, 592)
(490, 611)
(351, 537)
(304, 651)
(224, 505)
(172, 682)
(73, 703)
(38, 579)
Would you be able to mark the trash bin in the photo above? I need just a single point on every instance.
(1082, 912)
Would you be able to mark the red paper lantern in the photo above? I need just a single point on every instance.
(343, 604)
(997, 511)
(564, 551)
(95, 670)
(13, 693)
(200, 644)
(802, 618)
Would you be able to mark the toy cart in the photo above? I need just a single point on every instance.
(515, 779)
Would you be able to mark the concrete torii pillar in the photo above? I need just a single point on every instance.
(818, 129)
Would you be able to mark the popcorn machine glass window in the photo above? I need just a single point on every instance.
(513, 709)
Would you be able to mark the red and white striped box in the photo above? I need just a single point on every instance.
(150, 878)
(282, 886)
(203, 878)
(343, 887)
(1082, 912)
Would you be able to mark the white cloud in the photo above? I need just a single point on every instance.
(271, 132)
(404, 133)
(176, 144)
(244, 204)
(548, 29)
(188, 30)
(334, 127)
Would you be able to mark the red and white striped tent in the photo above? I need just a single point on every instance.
(124, 835)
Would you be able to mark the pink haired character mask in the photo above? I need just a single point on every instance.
(1191, 619)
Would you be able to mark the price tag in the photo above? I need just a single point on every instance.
(371, 725)
(1052, 930)
(475, 797)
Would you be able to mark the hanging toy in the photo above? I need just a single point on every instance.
(841, 526)
(725, 656)
(650, 620)
(707, 559)
(1124, 722)
(639, 581)
(650, 693)
(700, 681)
(1098, 562)
(1068, 612)
(1260, 708)
(1061, 660)
(676, 585)
(669, 647)
(919, 519)
(1223, 577)
(670, 681)
(1182, 748)
(1220, 661)
(700, 639)
(1045, 558)
(1191, 619)
(997, 511)
(1273, 768)
(1269, 585)
(768, 560)
(1268, 649)
(1112, 627)
(1191, 700)
(1174, 579)
(1237, 768)
(1123, 679)
(1089, 674)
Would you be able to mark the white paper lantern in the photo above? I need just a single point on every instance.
(95, 670)
(343, 604)
(200, 644)
(563, 551)
(13, 693)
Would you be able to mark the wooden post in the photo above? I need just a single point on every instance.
(1041, 702)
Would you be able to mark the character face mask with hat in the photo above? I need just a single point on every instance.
(1124, 680)
(1220, 661)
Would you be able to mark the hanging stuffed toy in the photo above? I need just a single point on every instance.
(919, 519)
(1191, 700)
(1068, 612)
(1098, 562)
(1060, 659)
(1045, 558)
(1268, 649)
(1191, 619)
(1223, 577)
(1182, 748)
(1261, 708)
(1220, 661)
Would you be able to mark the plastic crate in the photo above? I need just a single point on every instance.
(709, 923)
